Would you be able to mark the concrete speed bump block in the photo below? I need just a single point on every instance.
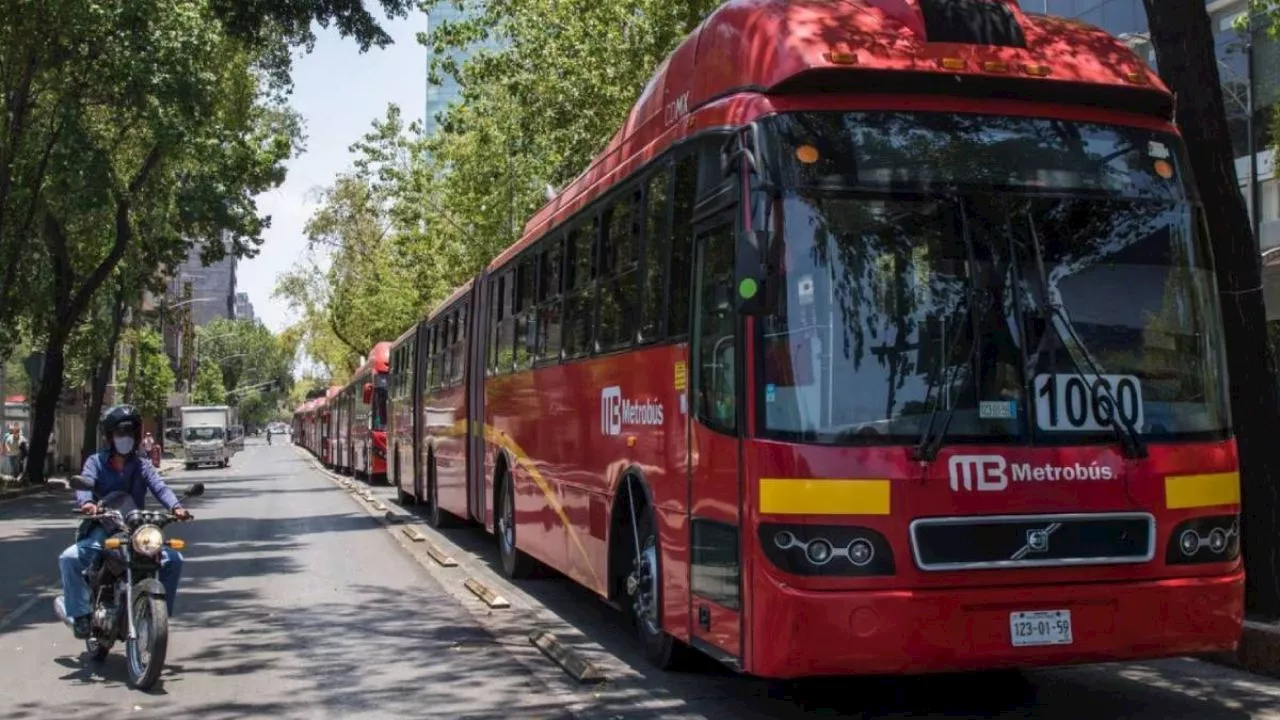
(486, 594)
(578, 667)
(413, 534)
(439, 555)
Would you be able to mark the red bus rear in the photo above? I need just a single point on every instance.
(880, 339)
(362, 412)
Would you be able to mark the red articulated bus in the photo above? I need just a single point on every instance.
(305, 426)
(327, 418)
(361, 407)
(882, 338)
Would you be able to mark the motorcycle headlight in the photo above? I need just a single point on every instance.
(148, 540)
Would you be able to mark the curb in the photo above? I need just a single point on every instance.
(1259, 650)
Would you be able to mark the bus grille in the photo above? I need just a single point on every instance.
(1022, 541)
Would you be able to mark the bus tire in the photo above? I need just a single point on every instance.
(402, 497)
(515, 564)
(643, 586)
(437, 517)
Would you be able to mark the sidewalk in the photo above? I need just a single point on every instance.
(10, 489)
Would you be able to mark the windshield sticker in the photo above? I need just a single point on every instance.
(1084, 403)
(804, 289)
(1158, 150)
(770, 392)
(997, 409)
(1164, 169)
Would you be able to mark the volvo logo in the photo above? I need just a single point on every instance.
(1037, 541)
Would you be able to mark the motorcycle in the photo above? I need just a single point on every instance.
(125, 594)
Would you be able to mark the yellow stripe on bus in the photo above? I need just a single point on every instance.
(802, 496)
(1195, 491)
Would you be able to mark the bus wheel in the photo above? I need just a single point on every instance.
(643, 585)
(437, 517)
(402, 497)
(515, 564)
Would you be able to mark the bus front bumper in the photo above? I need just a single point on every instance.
(806, 633)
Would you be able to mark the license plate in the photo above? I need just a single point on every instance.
(1042, 627)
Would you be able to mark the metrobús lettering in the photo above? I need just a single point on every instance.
(1026, 472)
(648, 412)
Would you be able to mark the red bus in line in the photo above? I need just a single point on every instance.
(882, 338)
(361, 410)
(305, 430)
(327, 420)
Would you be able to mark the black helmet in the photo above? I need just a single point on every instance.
(118, 417)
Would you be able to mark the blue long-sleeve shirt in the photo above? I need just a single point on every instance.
(135, 477)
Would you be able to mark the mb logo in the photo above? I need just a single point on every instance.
(978, 472)
(611, 410)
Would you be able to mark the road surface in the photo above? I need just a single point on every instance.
(298, 604)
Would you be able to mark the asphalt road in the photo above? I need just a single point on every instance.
(297, 604)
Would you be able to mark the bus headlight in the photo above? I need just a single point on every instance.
(148, 540)
(1205, 539)
(826, 550)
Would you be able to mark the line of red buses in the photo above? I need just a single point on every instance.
(882, 338)
(346, 428)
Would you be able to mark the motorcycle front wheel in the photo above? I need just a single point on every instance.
(145, 652)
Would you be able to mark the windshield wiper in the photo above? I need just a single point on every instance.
(926, 450)
(1131, 442)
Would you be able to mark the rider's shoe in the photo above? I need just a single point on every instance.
(81, 626)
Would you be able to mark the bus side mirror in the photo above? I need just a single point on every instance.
(368, 393)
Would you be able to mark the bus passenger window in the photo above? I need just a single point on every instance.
(619, 275)
(657, 244)
(683, 197)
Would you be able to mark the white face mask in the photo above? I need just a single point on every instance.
(123, 445)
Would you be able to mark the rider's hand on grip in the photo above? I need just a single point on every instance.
(88, 509)
(182, 514)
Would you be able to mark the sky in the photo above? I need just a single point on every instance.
(338, 91)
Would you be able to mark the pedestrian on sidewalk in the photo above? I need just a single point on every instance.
(13, 443)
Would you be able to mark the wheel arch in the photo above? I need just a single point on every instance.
(630, 479)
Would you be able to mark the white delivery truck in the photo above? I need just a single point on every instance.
(204, 435)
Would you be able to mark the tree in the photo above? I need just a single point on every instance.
(255, 411)
(155, 379)
(208, 388)
(145, 149)
(1183, 39)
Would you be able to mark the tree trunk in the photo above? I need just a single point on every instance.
(102, 377)
(1183, 40)
(45, 407)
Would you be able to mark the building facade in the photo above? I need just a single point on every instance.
(440, 97)
(244, 307)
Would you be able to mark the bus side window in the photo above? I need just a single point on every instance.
(715, 325)
(524, 312)
(683, 196)
(459, 351)
(551, 262)
(657, 247)
(579, 289)
(507, 325)
(619, 274)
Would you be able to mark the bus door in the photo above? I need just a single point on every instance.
(715, 459)
(473, 380)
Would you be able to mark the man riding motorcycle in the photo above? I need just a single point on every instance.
(116, 468)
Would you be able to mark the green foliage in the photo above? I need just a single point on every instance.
(255, 411)
(416, 217)
(154, 380)
(208, 387)
(248, 356)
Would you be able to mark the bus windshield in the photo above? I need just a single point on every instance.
(985, 268)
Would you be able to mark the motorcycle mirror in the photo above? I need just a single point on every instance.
(195, 490)
(78, 482)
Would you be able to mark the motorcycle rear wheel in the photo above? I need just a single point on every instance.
(151, 635)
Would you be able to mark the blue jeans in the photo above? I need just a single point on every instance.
(75, 559)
